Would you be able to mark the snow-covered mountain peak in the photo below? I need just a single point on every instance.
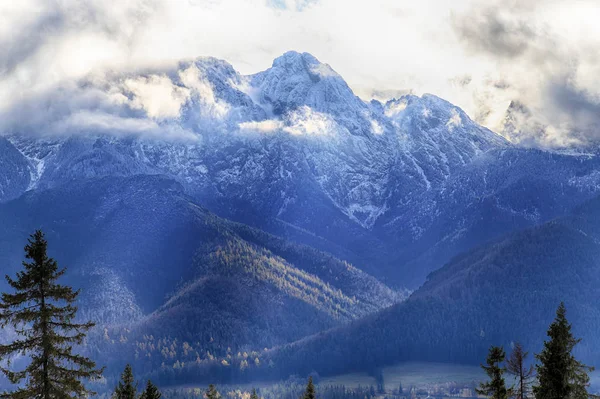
(438, 120)
(211, 63)
(299, 79)
(428, 107)
(294, 63)
(292, 134)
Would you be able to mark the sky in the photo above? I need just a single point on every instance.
(539, 58)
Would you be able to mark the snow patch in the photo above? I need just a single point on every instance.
(307, 122)
(323, 70)
(455, 120)
(395, 108)
(376, 127)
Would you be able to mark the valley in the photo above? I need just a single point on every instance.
(416, 379)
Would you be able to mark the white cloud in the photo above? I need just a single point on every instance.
(478, 54)
(93, 121)
(193, 78)
(100, 122)
(301, 122)
(157, 95)
(266, 126)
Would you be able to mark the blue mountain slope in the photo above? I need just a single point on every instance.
(503, 292)
(150, 261)
(395, 188)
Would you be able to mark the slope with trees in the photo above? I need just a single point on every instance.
(496, 294)
(171, 282)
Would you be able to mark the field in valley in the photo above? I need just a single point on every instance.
(410, 374)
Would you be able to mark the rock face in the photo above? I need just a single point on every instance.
(14, 171)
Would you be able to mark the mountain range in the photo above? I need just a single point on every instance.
(258, 220)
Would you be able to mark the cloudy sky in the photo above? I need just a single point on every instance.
(542, 55)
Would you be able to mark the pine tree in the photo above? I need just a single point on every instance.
(496, 387)
(310, 390)
(212, 393)
(254, 395)
(515, 365)
(151, 391)
(560, 375)
(127, 388)
(42, 312)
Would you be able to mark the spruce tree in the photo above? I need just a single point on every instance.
(560, 375)
(42, 313)
(523, 374)
(151, 391)
(127, 388)
(212, 393)
(254, 395)
(310, 390)
(496, 387)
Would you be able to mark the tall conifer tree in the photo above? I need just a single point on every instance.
(310, 390)
(127, 388)
(42, 312)
(495, 388)
(151, 391)
(560, 375)
(212, 393)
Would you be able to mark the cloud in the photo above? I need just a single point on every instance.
(496, 32)
(194, 78)
(538, 55)
(572, 109)
(157, 95)
(578, 103)
(266, 126)
(297, 5)
(20, 42)
(479, 54)
(141, 105)
(302, 121)
(101, 121)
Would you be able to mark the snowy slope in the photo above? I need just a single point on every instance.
(265, 138)
(14, 171)
(292, 150)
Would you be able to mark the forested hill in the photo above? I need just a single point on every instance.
(153, 263)
(497, 294)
